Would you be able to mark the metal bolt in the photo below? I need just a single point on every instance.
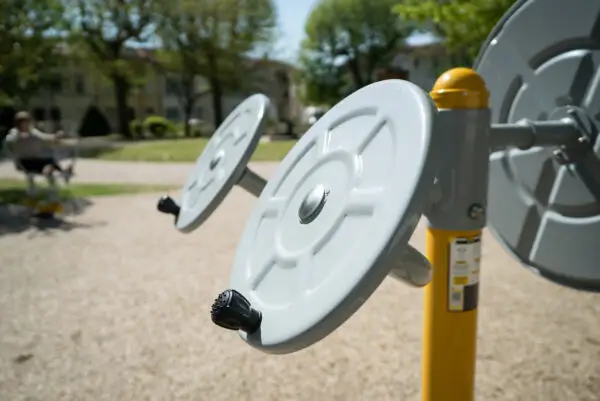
(578, 119)
(583, 140)
(561, 156)
(313, 204)
(476, 211)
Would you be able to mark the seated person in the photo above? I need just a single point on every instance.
(29, 147)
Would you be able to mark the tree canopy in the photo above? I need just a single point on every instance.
(212, 38)
(463, 24)
(29, 51)
(104, 29)
(346, 42)
(323, 82)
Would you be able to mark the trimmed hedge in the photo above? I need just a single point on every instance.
(158, 126)
(136, 128)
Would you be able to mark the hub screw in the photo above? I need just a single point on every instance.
(476, 211)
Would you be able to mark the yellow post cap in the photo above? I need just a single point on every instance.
(460, 88)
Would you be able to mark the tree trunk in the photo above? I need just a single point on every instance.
(187, 115)
(121, 87)
(216, 90)
(353, 65)
(217, 95)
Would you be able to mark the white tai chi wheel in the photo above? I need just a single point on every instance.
(221, 165)
(329, 225)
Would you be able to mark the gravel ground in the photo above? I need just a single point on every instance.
(114, 305)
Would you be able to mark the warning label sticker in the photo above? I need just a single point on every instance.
(463, 281)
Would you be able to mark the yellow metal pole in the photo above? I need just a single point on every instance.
(450, 338)
(450, 322)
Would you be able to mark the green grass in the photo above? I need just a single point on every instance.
(13, 191)
(187, 150)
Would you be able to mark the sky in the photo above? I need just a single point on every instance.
(292, 17)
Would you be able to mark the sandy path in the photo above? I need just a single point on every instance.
(104, 309)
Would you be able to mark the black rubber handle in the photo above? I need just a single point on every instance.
(232, 311)
(168, 206)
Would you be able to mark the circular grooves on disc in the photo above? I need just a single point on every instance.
(374, 156)
(222, 163)
(541, 59)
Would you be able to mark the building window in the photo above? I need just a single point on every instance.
(282, 77)
(171, 87)
(55, 114)
(111, 113)
(199, 113)
(172, 113)
(79, 85)
(39, 114)
(56, 86)
(435, 64)
(150, 111)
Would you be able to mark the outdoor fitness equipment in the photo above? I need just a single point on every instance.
(46, 204)
(222, 164)
(303, 266)
(541, 65)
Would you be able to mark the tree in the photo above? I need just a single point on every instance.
(212, 38)
(180, 62)
(323, 82)
(179, 68)
(463, 24)
(29, 55)
(105, 28)
(353, 37)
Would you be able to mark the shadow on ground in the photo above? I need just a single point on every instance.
(97, 151)
(16, 218)
(93, 147)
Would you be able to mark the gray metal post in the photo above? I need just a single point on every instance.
(526, 134)
(463, 177)
(252, 182)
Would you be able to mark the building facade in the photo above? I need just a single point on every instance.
(426, 63)
(271, 78)
(82, 87)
